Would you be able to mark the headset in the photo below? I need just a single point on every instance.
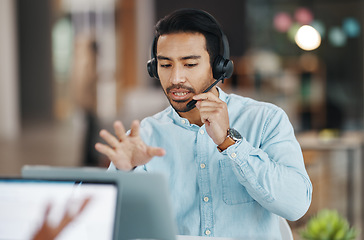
(222, 66)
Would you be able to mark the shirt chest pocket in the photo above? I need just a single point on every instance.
(232, 191)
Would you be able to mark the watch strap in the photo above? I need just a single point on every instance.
(226, 143)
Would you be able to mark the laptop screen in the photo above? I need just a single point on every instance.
(23, 204)
(144, 208)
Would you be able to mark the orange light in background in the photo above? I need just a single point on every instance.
(309, 62)
(308, 38)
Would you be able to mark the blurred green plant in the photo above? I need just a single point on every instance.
(328, 225)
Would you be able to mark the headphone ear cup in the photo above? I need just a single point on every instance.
(152, 68)
(221, 67)
(217, 67)
(228, 68)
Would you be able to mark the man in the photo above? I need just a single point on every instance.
(223, 183)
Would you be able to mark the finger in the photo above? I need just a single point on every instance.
(210, 115)
(109, 138)
(156, 151)
(210, 101)
(209, 110)
(119, 130)
(85, 202)
(67, 217)
(206, 96)
(104, 149)
(134, 128)
(209, 104)
(46, 213)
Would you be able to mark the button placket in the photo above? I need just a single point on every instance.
(206, 210)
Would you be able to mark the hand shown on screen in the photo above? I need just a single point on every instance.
(48, 232)
(127, 151)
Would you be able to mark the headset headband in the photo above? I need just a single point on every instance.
(221, 65)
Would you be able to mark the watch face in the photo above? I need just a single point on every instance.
(235, 135)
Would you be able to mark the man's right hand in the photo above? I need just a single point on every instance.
(127, 151)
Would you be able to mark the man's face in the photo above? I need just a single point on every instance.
(183, 67)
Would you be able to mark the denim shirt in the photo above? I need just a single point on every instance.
(237, 193)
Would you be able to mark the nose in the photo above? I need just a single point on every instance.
(178, 75)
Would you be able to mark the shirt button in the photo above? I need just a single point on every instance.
(207, 232)
(183, 121)
(233, 155)
(202, 165)
(202, 131)
(206, 199)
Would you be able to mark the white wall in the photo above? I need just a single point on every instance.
(9, 108)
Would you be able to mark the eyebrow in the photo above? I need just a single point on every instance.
(182, 58)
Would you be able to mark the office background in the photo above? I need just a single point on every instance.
(69, 68)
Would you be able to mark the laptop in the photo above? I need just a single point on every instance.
(145, 209)
(23, 204)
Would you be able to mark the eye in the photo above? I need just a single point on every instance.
(165, 65)
(190, 65)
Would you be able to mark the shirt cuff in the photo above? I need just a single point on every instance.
(239, 152)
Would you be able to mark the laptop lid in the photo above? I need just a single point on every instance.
(23, 203)
(145, 211)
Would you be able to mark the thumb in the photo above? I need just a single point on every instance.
(156, 151)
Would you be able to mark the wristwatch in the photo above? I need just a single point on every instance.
(232, 137)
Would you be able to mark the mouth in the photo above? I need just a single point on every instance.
(180, 94)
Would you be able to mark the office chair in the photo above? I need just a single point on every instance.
(285, 229)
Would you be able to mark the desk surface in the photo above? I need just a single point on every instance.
(347, 140)
(184, 237)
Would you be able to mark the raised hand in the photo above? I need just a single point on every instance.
(127, 151)
(50, 232)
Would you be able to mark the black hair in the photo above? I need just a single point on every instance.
(192, 21)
